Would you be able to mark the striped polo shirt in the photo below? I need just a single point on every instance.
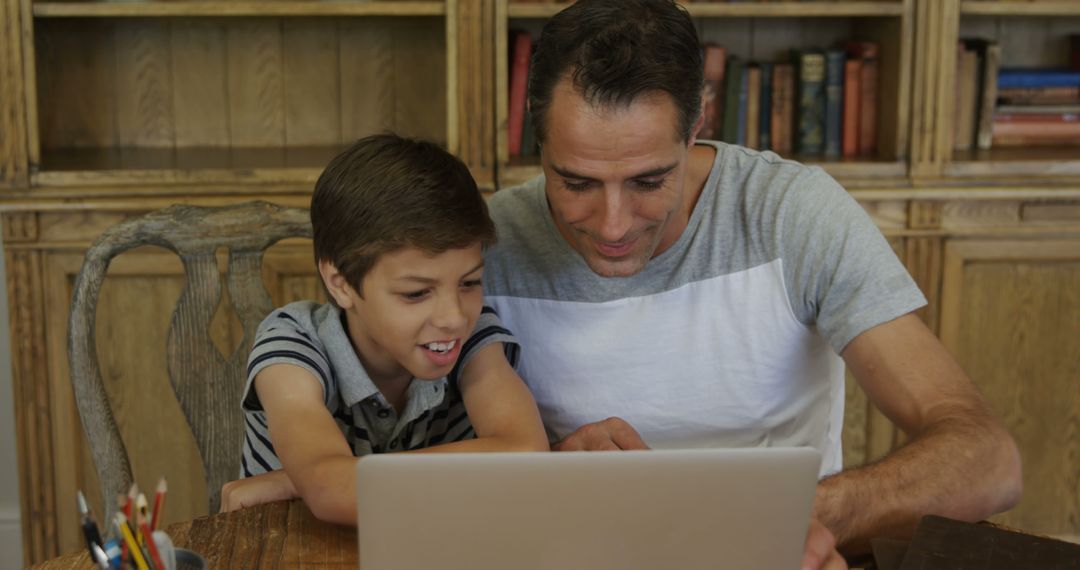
(313, 337)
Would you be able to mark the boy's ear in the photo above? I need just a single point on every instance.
(336, 284)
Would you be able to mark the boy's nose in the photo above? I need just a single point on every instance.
(449, 314)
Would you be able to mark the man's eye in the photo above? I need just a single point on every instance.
(650, 184)
(576, 186)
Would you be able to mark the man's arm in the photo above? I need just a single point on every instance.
(960, 461)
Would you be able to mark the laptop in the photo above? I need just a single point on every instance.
(686, 509)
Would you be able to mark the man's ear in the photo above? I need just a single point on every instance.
(336, 284)
(700, 122)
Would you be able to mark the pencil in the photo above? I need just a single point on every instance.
(129, 539)
(159, 503)
(145, 533)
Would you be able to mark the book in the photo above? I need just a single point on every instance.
(519, 76)
(1074, 52)
(1039, 96)
(1036, 130)
(782, 115)
(732, 87)
(810, 138)
(852, 94)
(715, 63)
(753, 106)
(765, 107)
(1037, 109)
(988, 96)
(834, 101)
(964, 113)
(1034, 78)
(867, 52)
(744, 85)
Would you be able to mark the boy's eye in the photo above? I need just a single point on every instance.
(471, 283)
(415, 295)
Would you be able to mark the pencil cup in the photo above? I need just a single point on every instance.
(177, 558)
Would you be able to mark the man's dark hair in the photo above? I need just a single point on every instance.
(387, 192)
(615, 51)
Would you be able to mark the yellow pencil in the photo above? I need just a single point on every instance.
(129, 538)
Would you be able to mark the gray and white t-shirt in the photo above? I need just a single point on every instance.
(729, 338)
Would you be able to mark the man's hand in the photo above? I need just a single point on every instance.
(820, 553)
(265, 488)
(611, 434)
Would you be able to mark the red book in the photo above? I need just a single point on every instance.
(868, 79)
(715, 59)
(1034, 130)
(519, 78)
(753, 107)
(852, 93)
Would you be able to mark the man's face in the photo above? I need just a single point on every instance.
(417, 311)
(616, 178)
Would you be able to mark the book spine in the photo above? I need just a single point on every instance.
(765, 109)
(715, 60)
(991, 62)
(732, 86)
(744, 84)
(753, 107)
(782, 105)
(834, 101)
(967, 77)
(519, 75)
(868, 113)
(811, 107)
(852, 94)
(1036, 78)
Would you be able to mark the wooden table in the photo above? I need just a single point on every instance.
(275, 535)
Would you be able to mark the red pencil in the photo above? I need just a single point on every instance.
(147, 535)
(159, 503)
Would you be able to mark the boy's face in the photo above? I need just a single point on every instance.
(417, 311)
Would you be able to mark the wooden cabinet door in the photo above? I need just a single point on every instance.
(1011, 316)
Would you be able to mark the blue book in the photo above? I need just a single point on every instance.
(765, 120)
(834, 101)
(1037, 78)
(810, 103)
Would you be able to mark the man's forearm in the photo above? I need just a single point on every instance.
(963, 467)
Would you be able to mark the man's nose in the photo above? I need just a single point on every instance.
(615, 215)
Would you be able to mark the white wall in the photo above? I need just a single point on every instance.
(10, 524)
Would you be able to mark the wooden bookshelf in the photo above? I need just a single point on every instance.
(161, 9)
(763, 31)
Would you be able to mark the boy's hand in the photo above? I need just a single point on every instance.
(265, 488)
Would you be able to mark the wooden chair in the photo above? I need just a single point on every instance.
(207, 383)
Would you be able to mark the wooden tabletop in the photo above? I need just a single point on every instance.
(275, 535)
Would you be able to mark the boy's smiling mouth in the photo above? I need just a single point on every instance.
(441, 347)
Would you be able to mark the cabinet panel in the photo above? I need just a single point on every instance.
(1011, 316)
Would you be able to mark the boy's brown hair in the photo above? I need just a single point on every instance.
(388, 192)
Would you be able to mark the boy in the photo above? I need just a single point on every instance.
(401, 353)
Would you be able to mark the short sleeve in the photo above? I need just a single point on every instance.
(488, 329)
(287, 336)
(844, 276)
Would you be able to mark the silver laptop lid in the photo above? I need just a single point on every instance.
(731, 508)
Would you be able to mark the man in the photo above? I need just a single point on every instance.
(671, 292)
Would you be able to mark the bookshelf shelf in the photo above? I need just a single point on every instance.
(125, 166)
(202, 8)
(744, 10)
(1016, 162)
(1013, 8)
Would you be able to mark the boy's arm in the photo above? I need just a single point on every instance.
(314, 454)
(500, 407)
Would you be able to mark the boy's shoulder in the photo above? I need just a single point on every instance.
(304, 318)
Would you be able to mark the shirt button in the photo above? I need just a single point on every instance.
(383, 413)
(393, 445)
